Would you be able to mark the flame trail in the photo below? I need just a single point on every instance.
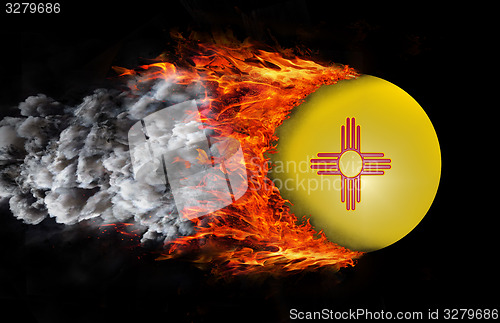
(250, 92)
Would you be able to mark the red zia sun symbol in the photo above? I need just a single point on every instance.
(350, 163)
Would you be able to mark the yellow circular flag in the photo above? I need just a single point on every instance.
(362, 158)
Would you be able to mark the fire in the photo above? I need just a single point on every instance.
(249, 92)
(124, 229)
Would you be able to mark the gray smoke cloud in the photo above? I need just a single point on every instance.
(73, 163)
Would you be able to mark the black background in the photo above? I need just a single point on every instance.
(53, 274)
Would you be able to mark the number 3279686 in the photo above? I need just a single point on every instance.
(31, 7)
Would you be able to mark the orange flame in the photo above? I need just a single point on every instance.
(249, 92)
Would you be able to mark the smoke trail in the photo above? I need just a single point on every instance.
(73, 164)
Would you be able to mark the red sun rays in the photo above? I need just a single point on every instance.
(350, 163)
